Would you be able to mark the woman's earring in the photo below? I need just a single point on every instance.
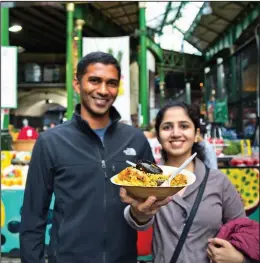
(197, 137)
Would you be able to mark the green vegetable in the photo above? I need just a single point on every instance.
(232, 149)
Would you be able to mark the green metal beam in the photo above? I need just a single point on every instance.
(4, 26)
(154, 48)
(69, 60)
(194, 23)
(168, 8)
(79, 26)
(233, 33)
(96, 21)
(5, 42)
(143, 70)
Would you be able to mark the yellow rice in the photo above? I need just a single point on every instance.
(134, 177)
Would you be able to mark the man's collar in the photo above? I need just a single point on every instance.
(113, 114)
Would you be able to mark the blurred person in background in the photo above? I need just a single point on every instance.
(27, 132)
(250, 126)
(211, 159)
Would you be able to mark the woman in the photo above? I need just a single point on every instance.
(176, 126)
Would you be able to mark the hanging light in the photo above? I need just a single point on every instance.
(15, 28)
(20, 49)
(207, 9)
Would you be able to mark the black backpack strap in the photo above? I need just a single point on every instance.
(190, 219)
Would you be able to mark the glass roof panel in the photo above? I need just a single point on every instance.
(173, 12)
(188, 14)
(155, 13)
(172, 35)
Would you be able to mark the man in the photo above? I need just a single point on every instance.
(75, 161)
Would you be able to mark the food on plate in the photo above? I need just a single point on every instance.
(148, 167)
(147, 174)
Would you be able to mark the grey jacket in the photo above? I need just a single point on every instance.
(220, 203)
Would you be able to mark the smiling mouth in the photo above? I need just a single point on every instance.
(176, 143)
(100, 101)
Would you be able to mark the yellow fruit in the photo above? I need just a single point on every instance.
(9, 182)
(2, 214)
(246, 181)
(18, 181)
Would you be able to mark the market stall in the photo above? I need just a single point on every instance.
(13, 178)
(14, 173)
(240, 162)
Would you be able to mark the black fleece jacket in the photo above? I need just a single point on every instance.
(88, 221)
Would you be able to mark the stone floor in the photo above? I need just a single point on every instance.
(11, 260)
(17, 260)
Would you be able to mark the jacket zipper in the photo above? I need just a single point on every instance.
(103, 164)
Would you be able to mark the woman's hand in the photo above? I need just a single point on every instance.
(221, 251)
(143, 211)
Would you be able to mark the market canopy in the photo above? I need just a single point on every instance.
(191, 27)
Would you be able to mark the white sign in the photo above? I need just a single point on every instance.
(9, 77)
(119, 48)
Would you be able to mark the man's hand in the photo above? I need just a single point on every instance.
(143, 211)
(221, 251)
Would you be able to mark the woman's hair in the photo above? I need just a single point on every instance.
(193, 113)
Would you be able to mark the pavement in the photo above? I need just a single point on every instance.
(11, 260)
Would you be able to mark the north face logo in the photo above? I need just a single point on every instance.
(130, 151)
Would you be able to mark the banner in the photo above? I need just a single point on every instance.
(119, 48)
(9, 77)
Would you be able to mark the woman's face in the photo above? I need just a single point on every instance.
(177, 133)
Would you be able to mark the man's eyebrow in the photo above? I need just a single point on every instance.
(114, 80)
(94, 77)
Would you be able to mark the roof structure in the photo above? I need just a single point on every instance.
(189, 27)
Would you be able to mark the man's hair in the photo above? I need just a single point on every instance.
(96, 57)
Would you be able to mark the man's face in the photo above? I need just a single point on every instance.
(98, 88)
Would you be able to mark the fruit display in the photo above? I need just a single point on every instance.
(13, 176)
(227, 148)
(233, 148)
(21, 157)
(6, 159)
(14, 170)
(246, 181)
(245, 161)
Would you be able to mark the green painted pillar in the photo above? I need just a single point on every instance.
(4, 42)
(234, 93)
(143, 86)
(162, 83)
(79, 26)
(4, 26)
(69, 60)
